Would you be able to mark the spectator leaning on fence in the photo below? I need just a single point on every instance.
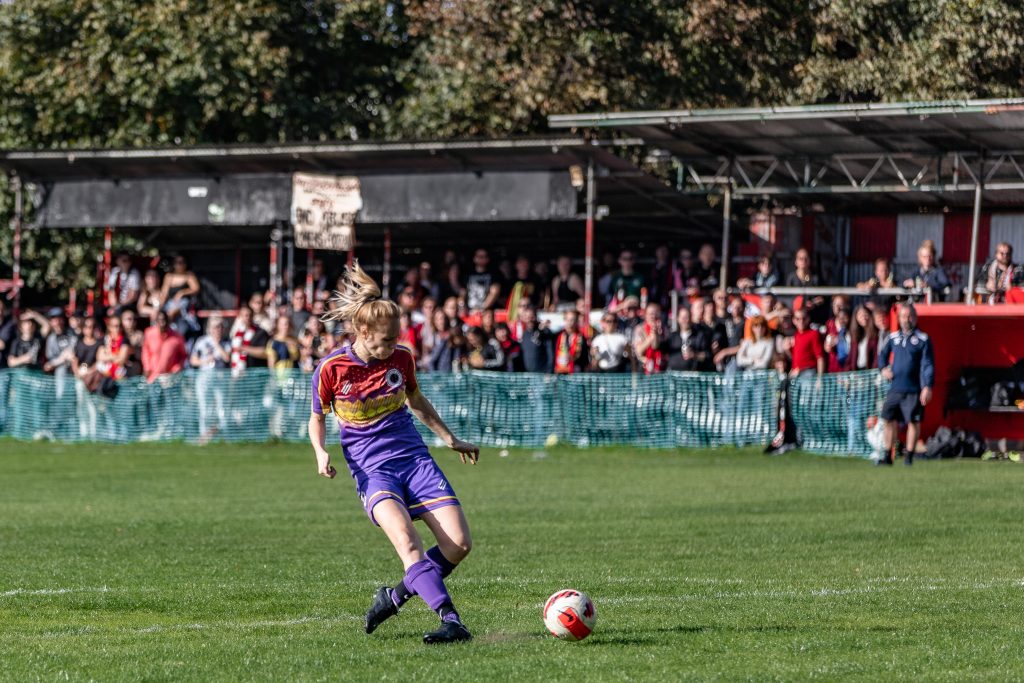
(907, 359)
(609, 350)
(536, 342)
(27, 347)
(163, 349)
(484, 352)
(571, 350)
(8, 331)
(649, 341)
(59, 348)
(807, 354)
(689, 347)
(756, 353)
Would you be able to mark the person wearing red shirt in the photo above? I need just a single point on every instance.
(808, 352)
(163, 350)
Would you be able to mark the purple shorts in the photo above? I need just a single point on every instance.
(417, 483)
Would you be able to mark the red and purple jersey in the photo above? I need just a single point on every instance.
(369, 401)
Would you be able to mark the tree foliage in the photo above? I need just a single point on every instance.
(167, 72)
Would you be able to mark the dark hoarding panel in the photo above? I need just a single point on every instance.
(243, 200)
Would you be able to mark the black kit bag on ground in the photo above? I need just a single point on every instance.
(944, 444)
(973, 445)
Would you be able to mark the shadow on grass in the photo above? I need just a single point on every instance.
(624, 637)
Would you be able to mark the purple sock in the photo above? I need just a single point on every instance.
(425, 578)
(443, 565)
(402, 593)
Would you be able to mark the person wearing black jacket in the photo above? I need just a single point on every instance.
(536, 343)
(689, 347)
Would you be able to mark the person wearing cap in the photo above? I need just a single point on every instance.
(59, 348)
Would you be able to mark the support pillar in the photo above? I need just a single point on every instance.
(975, 226)
(588, 258)
(726, 232)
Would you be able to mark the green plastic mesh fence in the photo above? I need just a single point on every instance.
(494, 409)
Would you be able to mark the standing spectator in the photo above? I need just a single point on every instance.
(708, 268)
(685, 277)
(912, 372)
(1001, 274)
(689, 347)
(839, 343)
(483, 353)
(282, 351)
(566, 286)
(863, 340)
(881, 320)
(181, 287)
(424, 325)
(8, 331)
(510, 347)
(649, 341)
(626, 282)
(445, 352)
(259, 312)
(86, 348)
(730, 333)
(408, 336)
(321, 285)
(412, 287)
(610, 348)
(242, 335)
(314, 343)
(427, 281)
(113, 355)
(536, 343)
(299, 311)
(163, 349)
(766, 277)
(124, 284)
(808, 354)
(211, 352)
(151, 297)
(571, 351)
(487, 323)
(604, 279)
(804, 276)
(59, 349)
(661, 277)
(929, 273)
(27, 347)
(483, 286)
(524, 285)
(629, 315)
(840, 302)
(756, 353)
(84, 364)
(450, 286)
(130, 325)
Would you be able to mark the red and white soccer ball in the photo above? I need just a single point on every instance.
(570, 615)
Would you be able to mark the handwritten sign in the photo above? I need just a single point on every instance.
(324, 210)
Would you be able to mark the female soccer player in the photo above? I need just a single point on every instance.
(368, 386)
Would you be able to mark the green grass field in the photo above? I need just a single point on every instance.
(169, 562)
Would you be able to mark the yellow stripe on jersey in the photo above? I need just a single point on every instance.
(362, 413)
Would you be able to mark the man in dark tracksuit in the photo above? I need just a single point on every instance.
(912, 371)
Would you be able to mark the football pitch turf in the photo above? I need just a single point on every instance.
(235, 562)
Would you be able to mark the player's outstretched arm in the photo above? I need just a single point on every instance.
(317, 433)
(424, 410)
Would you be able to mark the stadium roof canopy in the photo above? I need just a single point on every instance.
(459, 182)
(869, 155)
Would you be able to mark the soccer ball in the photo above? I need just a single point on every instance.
(570, 615)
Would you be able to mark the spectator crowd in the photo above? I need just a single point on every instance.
(518, 316)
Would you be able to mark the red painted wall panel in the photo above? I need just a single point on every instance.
(871, 237)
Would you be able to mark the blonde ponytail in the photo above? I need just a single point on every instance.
(360, 301)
